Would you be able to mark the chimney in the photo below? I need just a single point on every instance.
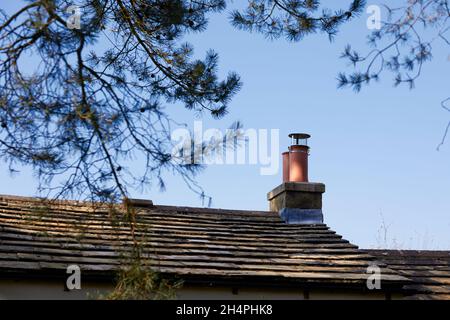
(297, 200)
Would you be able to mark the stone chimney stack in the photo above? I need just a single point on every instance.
(297, 200)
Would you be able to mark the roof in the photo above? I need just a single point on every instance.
(212, 245)
(429, 270)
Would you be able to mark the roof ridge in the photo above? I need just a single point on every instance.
(5, 197)
(418, 251)
(213, 210)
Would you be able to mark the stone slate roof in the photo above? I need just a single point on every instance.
(41, 238)
(429, 270)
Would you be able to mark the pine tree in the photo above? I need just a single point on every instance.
(95, 97)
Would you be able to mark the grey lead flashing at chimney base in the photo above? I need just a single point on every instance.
(301, 216)
(298, 202)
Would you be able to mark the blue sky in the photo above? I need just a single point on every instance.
(375, 150)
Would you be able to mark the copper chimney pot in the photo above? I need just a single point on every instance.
(295, 162)
(285, 156)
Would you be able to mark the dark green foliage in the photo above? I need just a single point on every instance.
(402, 45)
(293, 19)
(94, 100)
(136, 281)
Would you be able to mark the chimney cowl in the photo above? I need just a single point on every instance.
(299, 139)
